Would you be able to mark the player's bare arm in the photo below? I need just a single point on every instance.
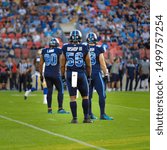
(88, 65)
(62, 64)
(41, 64)
(103, 64)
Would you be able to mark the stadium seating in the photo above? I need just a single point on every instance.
(17, 52)
(26, 53)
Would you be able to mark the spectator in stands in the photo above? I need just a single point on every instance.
(28, 73)
(115, 74)
(22, 70)
(121, 72)
(145, 71)
(14, 75)
(110, 19)
(137, 73)
(130, 74)
(3, 75)
(9, 65)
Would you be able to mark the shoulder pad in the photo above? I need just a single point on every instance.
(85, 43)
(65, 44)
(98, 45)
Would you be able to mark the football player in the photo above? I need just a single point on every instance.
(36, 82)
(76, 58)
(51, 57)
(98, 63)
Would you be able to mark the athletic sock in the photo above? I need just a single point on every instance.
(60, 100)
(102, 106)
(27, 92)
(45, 98)
(73, 106)
(90, 106)
(45, 91)
(85, 106)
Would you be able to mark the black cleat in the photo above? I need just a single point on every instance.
(74, 121)
(25, 97)
(49, 111)
(87, 121)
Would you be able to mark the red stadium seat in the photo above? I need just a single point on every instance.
(18, 35)
(114, 2)
(26, 53)
(148, 53)
(37, 44)
(29, 44)
(114, 44)
(142, 53)
(11, 35)
(17, 52)
(3, 35)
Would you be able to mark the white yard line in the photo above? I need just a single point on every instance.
(51, 133)
(131, 108)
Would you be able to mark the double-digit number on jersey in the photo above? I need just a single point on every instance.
(50, 59)
(93, 58)
(74, 59)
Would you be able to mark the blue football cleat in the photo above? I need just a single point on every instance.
(106, 117)
(62, 111)
(93, 117)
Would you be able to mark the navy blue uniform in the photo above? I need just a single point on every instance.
(75, 61)
(52, 76)
(97, 81)
(137, 75)
(130, 76)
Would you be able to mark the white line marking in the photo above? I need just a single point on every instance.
(132, 108)
(52, 133)
(133, 119)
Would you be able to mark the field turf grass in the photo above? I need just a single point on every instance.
(25, 124)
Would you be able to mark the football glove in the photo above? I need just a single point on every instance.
(89, 80)
(107, 78)
(63, 79)
(41, 78)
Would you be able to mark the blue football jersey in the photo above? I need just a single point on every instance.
(51, 58)
(75, 56)
(95, 51)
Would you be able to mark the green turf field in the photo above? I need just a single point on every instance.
(25, 125)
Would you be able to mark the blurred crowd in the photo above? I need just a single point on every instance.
(26, 26)
(128, 75)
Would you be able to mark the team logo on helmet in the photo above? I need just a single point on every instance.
(54, 42)
(75, 36)
(91, 37)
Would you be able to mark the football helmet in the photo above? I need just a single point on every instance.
(54, 42)
(91, 38)
(75, 36)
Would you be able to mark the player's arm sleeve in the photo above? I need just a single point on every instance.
(88, 64)
(41, 64)
(103, 64)
(62, 64)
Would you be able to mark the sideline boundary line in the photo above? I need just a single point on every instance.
(51, 133)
